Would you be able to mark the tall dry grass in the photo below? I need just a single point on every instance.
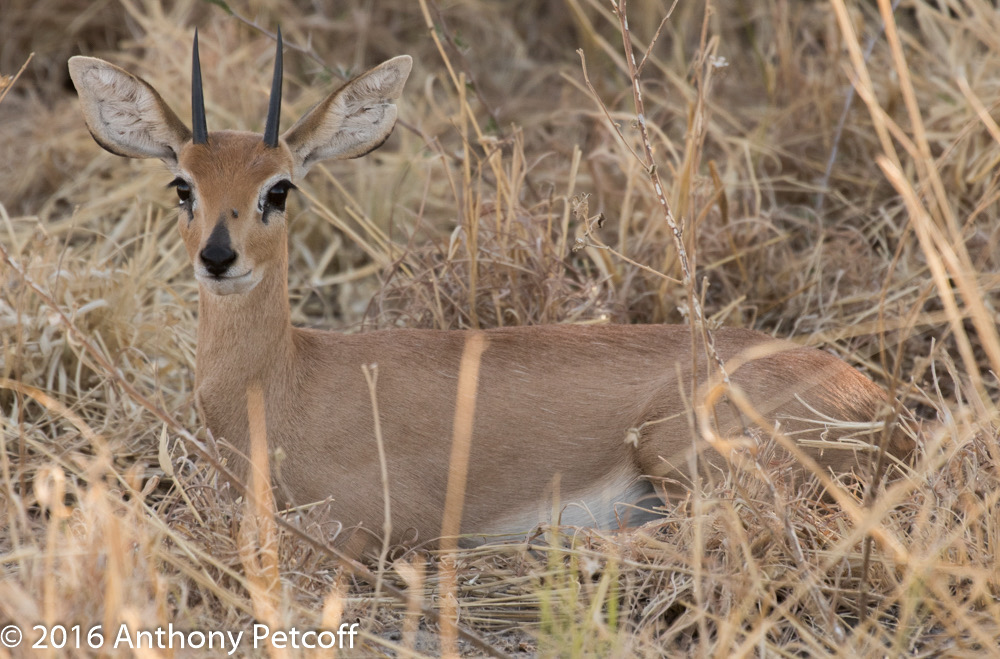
(836, 182)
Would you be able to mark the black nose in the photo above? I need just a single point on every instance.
(217, 258)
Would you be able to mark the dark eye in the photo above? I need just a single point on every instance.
(278, 194)
(183, 189)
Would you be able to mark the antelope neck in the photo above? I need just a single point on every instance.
(246, 337)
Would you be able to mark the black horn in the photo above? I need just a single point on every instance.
(274, 105)
(197, 98)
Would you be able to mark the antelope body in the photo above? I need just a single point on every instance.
(595, 415)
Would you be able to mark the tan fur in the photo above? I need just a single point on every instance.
(604, 408)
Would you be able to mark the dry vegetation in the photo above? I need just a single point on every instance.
(865, 223)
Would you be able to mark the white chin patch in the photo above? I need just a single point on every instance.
(234, 285)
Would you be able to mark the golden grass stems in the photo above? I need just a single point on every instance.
(458, 461)
(258, 546)
(371, 378)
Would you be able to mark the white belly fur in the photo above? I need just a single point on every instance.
(618, 500)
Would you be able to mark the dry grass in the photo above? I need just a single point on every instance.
(467, 218)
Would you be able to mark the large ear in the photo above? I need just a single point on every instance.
(124, 113)
(351, 121)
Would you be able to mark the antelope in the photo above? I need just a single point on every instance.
(596, 415)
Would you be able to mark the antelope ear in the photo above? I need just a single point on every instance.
(350, 122)
(124, 113)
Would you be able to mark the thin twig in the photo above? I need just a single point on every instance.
(649, 163)
(10, 85)
(591, 240)
(656, 35)
(604, 108)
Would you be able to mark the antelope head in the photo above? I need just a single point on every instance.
(232, 185)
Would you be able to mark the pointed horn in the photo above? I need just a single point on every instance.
(200, 134)
(274, 106)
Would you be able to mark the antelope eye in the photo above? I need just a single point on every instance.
(182, 188)
(278, 194)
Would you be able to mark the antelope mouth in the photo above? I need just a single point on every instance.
(245, 275)
(227, 284)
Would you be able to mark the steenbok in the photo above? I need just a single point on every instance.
(597, 415)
